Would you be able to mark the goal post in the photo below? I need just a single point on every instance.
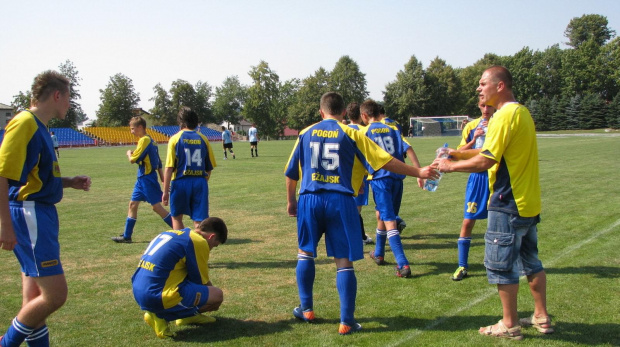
(438, 125)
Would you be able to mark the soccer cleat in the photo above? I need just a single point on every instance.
(305, 315)
(401, 226)
(346, 329)
(121, 239)
(460, 273)
(368, 240)
(234, 157)
(404, 271)
(378, 259)
(159, 325)
(196, 319)
(225, 158)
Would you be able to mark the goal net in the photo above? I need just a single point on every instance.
(438, 126)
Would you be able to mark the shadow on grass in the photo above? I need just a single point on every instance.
(286, 264)
(580, 333)
(225, 329)
(240, 241)
(598, 271)
(446, 245)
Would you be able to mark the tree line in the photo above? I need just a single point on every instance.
(573, 88)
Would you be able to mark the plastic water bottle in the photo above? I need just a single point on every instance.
(431, 184)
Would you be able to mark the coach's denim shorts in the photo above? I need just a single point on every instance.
(511, 247)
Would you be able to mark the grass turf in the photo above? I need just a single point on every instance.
(578, 243)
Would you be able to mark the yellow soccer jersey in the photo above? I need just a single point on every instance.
(514, 179)
(190, 154)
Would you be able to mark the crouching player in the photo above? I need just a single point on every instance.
(172, 278)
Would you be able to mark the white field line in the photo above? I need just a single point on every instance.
(493, 291)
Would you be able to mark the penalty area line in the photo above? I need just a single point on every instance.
(493, 291)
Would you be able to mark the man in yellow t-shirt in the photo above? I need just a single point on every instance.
(510, 154)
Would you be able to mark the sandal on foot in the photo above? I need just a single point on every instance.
(542, 324)
(500, 330)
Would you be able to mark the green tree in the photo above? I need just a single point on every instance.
(589, 27)
(444, 88)
(527, 82)
(118, 100)
(592, 112)
(613, 113)
(229, 100)
(182, 94)
(305, 110)
(470, 78)
(162, 112)
(287, 97)
(347, 80)
(407, 96)
(583, 70)
(21, 101)
(261, 106)
(202, 103)
(548, 68)
(75, 115)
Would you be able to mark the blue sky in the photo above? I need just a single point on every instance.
(160, 41)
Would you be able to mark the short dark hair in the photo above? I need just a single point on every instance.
(353, 111)
(215, 225)
(501, 73)
(187, 118)
(138, 121)
(381, 109)
(332, 103)
(370, 108)
(46, 83)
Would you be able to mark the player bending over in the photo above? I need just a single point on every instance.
(172, 281)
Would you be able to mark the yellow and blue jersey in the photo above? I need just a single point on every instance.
(331, 156)
(172, 257)
(190, 154)
(146, 156)
(28, 161)
(514, 179)
(391, 140)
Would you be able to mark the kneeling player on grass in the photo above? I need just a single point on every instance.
(172, 278)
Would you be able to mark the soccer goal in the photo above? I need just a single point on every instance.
(438, 126)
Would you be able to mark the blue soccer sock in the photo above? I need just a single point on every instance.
(346, 282)
(397, 248)
(39, 338)
(305, 279)
(463, 245)
(129, 224)
(380, 245)
(168, 220)
(16, 334)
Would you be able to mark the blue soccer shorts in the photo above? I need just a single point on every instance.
(147, 189)
(362, 199)
(190, 196)
(333, 215)
(193, 297)
(387, 193)
(36, 229)
(476, 196)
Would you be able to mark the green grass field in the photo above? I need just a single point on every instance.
(579, 238)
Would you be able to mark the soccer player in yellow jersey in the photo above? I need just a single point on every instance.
(30, 186)
(510, 154)
(147, 186)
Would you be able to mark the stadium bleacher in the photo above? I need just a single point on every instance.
(68, 137)
(170, 130)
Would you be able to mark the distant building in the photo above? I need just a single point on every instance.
(6, 114)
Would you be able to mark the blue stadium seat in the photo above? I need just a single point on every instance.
(170, 130)
(68, 137)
